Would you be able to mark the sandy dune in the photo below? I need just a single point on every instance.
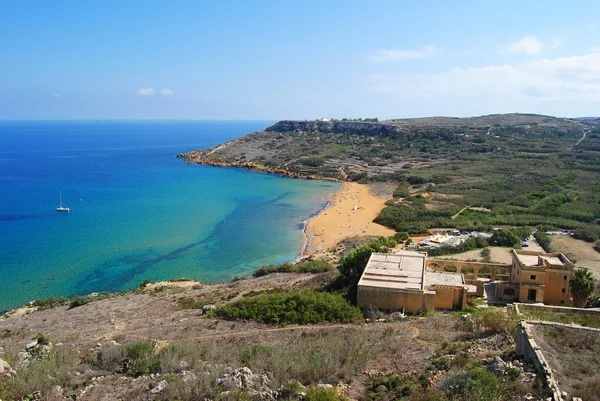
(340, 220)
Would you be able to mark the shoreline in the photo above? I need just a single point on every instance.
(349, 212)
(194, 158)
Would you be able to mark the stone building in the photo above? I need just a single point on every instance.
(399, 281)
(537, 277)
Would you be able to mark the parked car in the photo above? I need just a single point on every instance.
(524, 244)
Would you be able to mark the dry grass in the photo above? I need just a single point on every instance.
(582, 252)
(573, 355)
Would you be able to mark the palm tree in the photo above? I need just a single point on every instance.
(583, 285)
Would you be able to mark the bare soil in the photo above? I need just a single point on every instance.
(583, 253)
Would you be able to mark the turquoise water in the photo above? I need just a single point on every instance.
(137, 212)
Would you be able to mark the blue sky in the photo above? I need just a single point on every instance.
(297, 59)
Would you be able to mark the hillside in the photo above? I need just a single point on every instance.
(527, 169)
(156, 343)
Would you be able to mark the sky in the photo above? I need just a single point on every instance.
(271, 60)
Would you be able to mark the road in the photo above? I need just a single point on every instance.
(579, 141)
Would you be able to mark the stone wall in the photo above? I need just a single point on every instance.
(472, 270)
(559, 309)
(408, 301)
(528, 350)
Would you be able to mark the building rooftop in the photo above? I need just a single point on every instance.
(399, 270)
(553, 260)
(529, 258)
(444, 278)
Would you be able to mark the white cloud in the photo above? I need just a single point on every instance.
(556, 42)
(410, 54)
(573, 78)
(145, 92)
(55, 94)
(167, 92)
(528, 45)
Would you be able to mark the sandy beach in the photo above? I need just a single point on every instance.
(350, 213)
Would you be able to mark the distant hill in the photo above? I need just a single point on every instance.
(514, 164)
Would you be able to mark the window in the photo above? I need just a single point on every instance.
(565, 277)
(509, 292)
(564, 290)
(532, 277)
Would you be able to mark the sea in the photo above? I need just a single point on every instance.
(137, 212)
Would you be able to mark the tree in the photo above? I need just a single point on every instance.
(583, 285)
(401, 237)
(353, 265)
(504, 238)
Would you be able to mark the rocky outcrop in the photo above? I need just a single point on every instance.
(337, 127)
(243, 379)
(6, 370)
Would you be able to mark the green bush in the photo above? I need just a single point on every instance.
(504, 238)
(298, 307)
(401, 237)
(352, 266)
(315, 393)
(140, 359)
(391, 387)
(476, 384)
(401, 192)
(543, 239)
(308, 266)
(589, 233)
(468, 245)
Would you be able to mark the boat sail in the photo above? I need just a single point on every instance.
(61, 207)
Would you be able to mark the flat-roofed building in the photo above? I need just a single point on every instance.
(541, 277)
(399, 281)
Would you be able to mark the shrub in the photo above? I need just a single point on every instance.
(543, 239)
(307, 266)
(140, 359)
(48, 303)
(352, 266)
(401, 192)
(401, 237)
(476, 384)
(589, 233)
(41, 374)
(315, 393)
(299, 307)
(470, 244)
(504, 238)
(495, 320)
(391, 387)
(80, 301)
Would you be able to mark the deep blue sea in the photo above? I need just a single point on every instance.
(137, 212)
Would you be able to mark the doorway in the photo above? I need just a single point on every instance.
(531, 295)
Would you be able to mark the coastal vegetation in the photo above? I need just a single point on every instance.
(352, 266)
(297, 307)
(306, 266)
(513, 169)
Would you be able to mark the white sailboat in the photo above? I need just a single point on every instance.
(61, 207)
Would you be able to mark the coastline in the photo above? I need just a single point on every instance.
(349, 213)
(195, 158)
